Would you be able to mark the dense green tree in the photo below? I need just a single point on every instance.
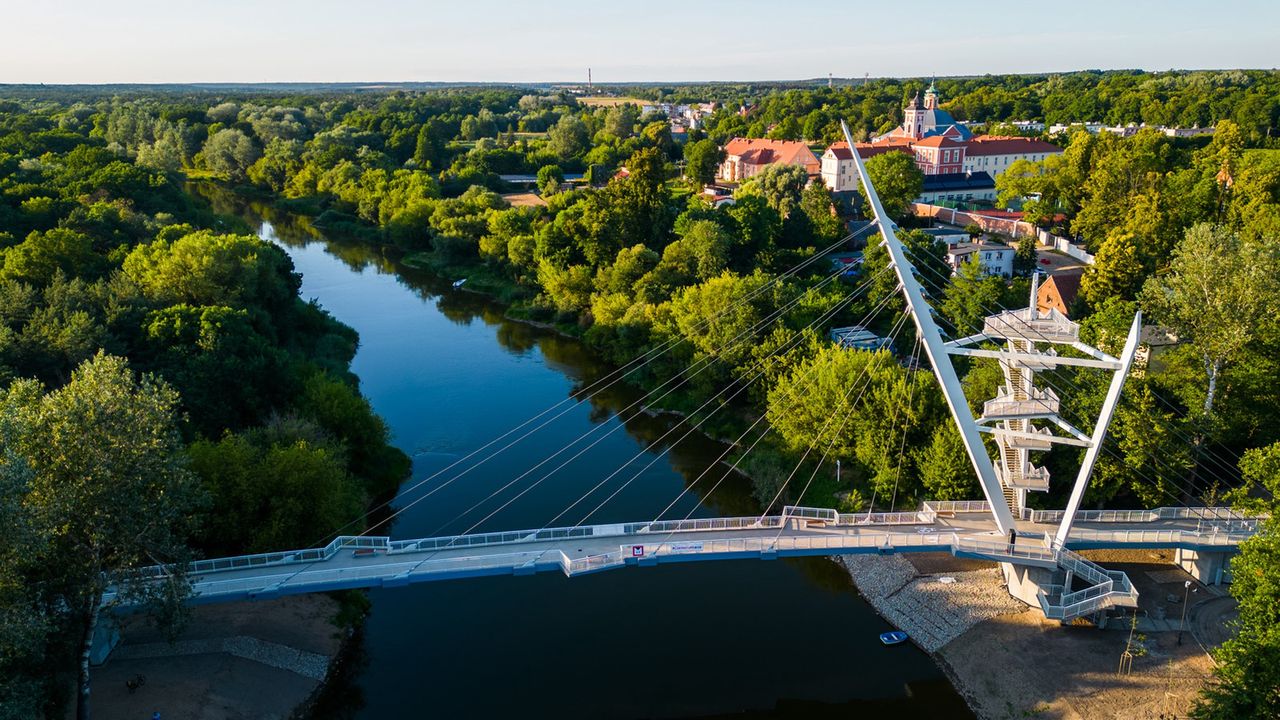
(231, 153)
(971, 295)
(897, 181)
(779, 185)
(702, 160)
(1025, 258)
(945, 470)
(283, 486)
(620, 120)
(550, 177)
(1217, 297)
(43, 255)
(347, 416)
(197, 348)
(569, 138)
(819, 209)
(203, 268)
(108, 489)
(1117, 270)
(1246, 673)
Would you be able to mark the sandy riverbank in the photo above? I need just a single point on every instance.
(1009, 662)
(237, 661)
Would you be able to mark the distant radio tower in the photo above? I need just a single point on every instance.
(588, 79)
(828, 79)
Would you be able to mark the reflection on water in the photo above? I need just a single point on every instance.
(745, 639)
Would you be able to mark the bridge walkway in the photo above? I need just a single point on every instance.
(964, 529)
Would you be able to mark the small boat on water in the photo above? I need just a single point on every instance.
(459, 283)
(894, 637)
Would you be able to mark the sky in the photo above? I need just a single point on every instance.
(181, 41)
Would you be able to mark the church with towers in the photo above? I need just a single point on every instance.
(960, 165)
(921, 120)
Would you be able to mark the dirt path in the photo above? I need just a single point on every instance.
(1017, 666)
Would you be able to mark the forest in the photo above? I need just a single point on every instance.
(133, 315)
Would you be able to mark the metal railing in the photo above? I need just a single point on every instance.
(1169, 537)
(1020, 324)
(1005, 550)
(957, 506)
(917, 517)
(1236, 528)
(1037, 402)
(810, 513)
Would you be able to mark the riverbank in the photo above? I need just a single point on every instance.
(1007, 661)
(262, 659)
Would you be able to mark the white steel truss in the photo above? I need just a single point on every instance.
(1020, 415)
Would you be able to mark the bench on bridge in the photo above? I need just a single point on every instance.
(364, 552)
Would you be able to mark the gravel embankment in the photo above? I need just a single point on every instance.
(932, 612)
(307, 664)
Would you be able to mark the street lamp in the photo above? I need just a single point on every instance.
(1186, 593)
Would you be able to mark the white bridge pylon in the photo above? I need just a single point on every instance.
(1011, 417)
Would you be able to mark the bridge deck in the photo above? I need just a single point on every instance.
(380, 562)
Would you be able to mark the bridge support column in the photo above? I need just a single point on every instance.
(106, 636)
(1207, 566)
(1025, 582)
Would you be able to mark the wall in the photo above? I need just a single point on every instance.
(1003, 226)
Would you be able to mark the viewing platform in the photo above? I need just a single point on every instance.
(1025, 324)
(1036, 403)
(1034, 478)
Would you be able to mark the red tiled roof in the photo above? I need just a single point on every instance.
(761, 151)
(867, 150)
(1067, 284)
(938, 141)
(1000, 145)
(841, 151)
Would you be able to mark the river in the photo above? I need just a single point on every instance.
(753, 639)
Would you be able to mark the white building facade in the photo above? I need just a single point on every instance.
(996, 259)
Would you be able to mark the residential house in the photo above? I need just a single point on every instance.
(838, 171)
(996, 259)
(1058, 292)
(948, 235)
(745, 157)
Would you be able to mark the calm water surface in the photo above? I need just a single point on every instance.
(758, 639)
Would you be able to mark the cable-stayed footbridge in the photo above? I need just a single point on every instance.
(964, 529)
(1036, 548)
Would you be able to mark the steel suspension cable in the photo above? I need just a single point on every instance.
(682, 378)
(589, 392)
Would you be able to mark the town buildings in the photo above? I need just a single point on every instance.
(1132, 129)
(956, 164)
(745, 157)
